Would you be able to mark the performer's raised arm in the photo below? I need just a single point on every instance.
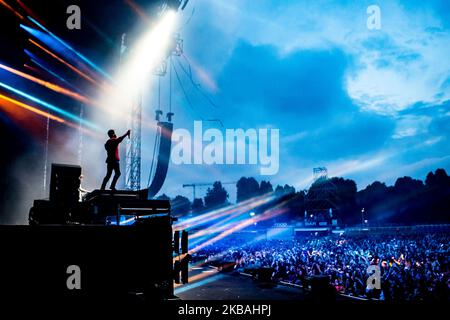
(112, 159)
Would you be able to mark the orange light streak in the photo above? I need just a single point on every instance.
(48, 85)
(32, 68)
(32, 109)
(12, 10)
(85, 76)
(46, 115)
(30, 12)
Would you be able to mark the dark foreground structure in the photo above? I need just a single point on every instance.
(40, 264)
(107, 246)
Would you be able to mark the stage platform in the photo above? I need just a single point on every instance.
(210, 284)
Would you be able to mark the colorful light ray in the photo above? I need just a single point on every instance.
(147, 53)
(57, 48)
(219, 213)
(212, 214)
(111, 111)
(12, 10)
(32, 109)
(28, 10)
(71, 67)
(201, 72)
(271, 213)
(39, 112)
(35, 70)
(200, 278)
(35, 60)
(51, 107)
(82, 57)
(220, 226)
(48, 85)
(268, 214)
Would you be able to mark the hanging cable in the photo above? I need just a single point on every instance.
(170, 83)
(197, 86)
(184, 91)
(159, 92)
(187, 21)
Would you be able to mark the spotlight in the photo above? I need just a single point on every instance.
(149, 51)
(252, 214)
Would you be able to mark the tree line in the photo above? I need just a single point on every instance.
(408, 201)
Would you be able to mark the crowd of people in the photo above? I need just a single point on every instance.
(412, 267)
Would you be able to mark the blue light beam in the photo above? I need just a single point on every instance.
(51, 107)
(82, 57)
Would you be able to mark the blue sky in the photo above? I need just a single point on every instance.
(367, 104)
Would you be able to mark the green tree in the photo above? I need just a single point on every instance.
(216, 197)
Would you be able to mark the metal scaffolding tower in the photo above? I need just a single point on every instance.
(320, 173)
(133, 155)
(321, 196)
(133, 150)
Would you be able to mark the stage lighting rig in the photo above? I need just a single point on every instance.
(174, 4)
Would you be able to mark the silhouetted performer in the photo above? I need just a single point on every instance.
(112, 160)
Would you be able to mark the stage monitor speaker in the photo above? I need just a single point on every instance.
(265, 274)
(321, 289)
(64, 183)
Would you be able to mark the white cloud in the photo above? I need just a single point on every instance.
(433, 140)
(346, 167)
(408, 126)
(294, 137)
(355, 167)
(411, 66)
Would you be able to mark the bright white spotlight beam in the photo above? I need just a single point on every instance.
(148, 53)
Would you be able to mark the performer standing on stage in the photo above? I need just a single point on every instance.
(112, 160)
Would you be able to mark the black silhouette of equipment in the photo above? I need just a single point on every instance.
(123, 238)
